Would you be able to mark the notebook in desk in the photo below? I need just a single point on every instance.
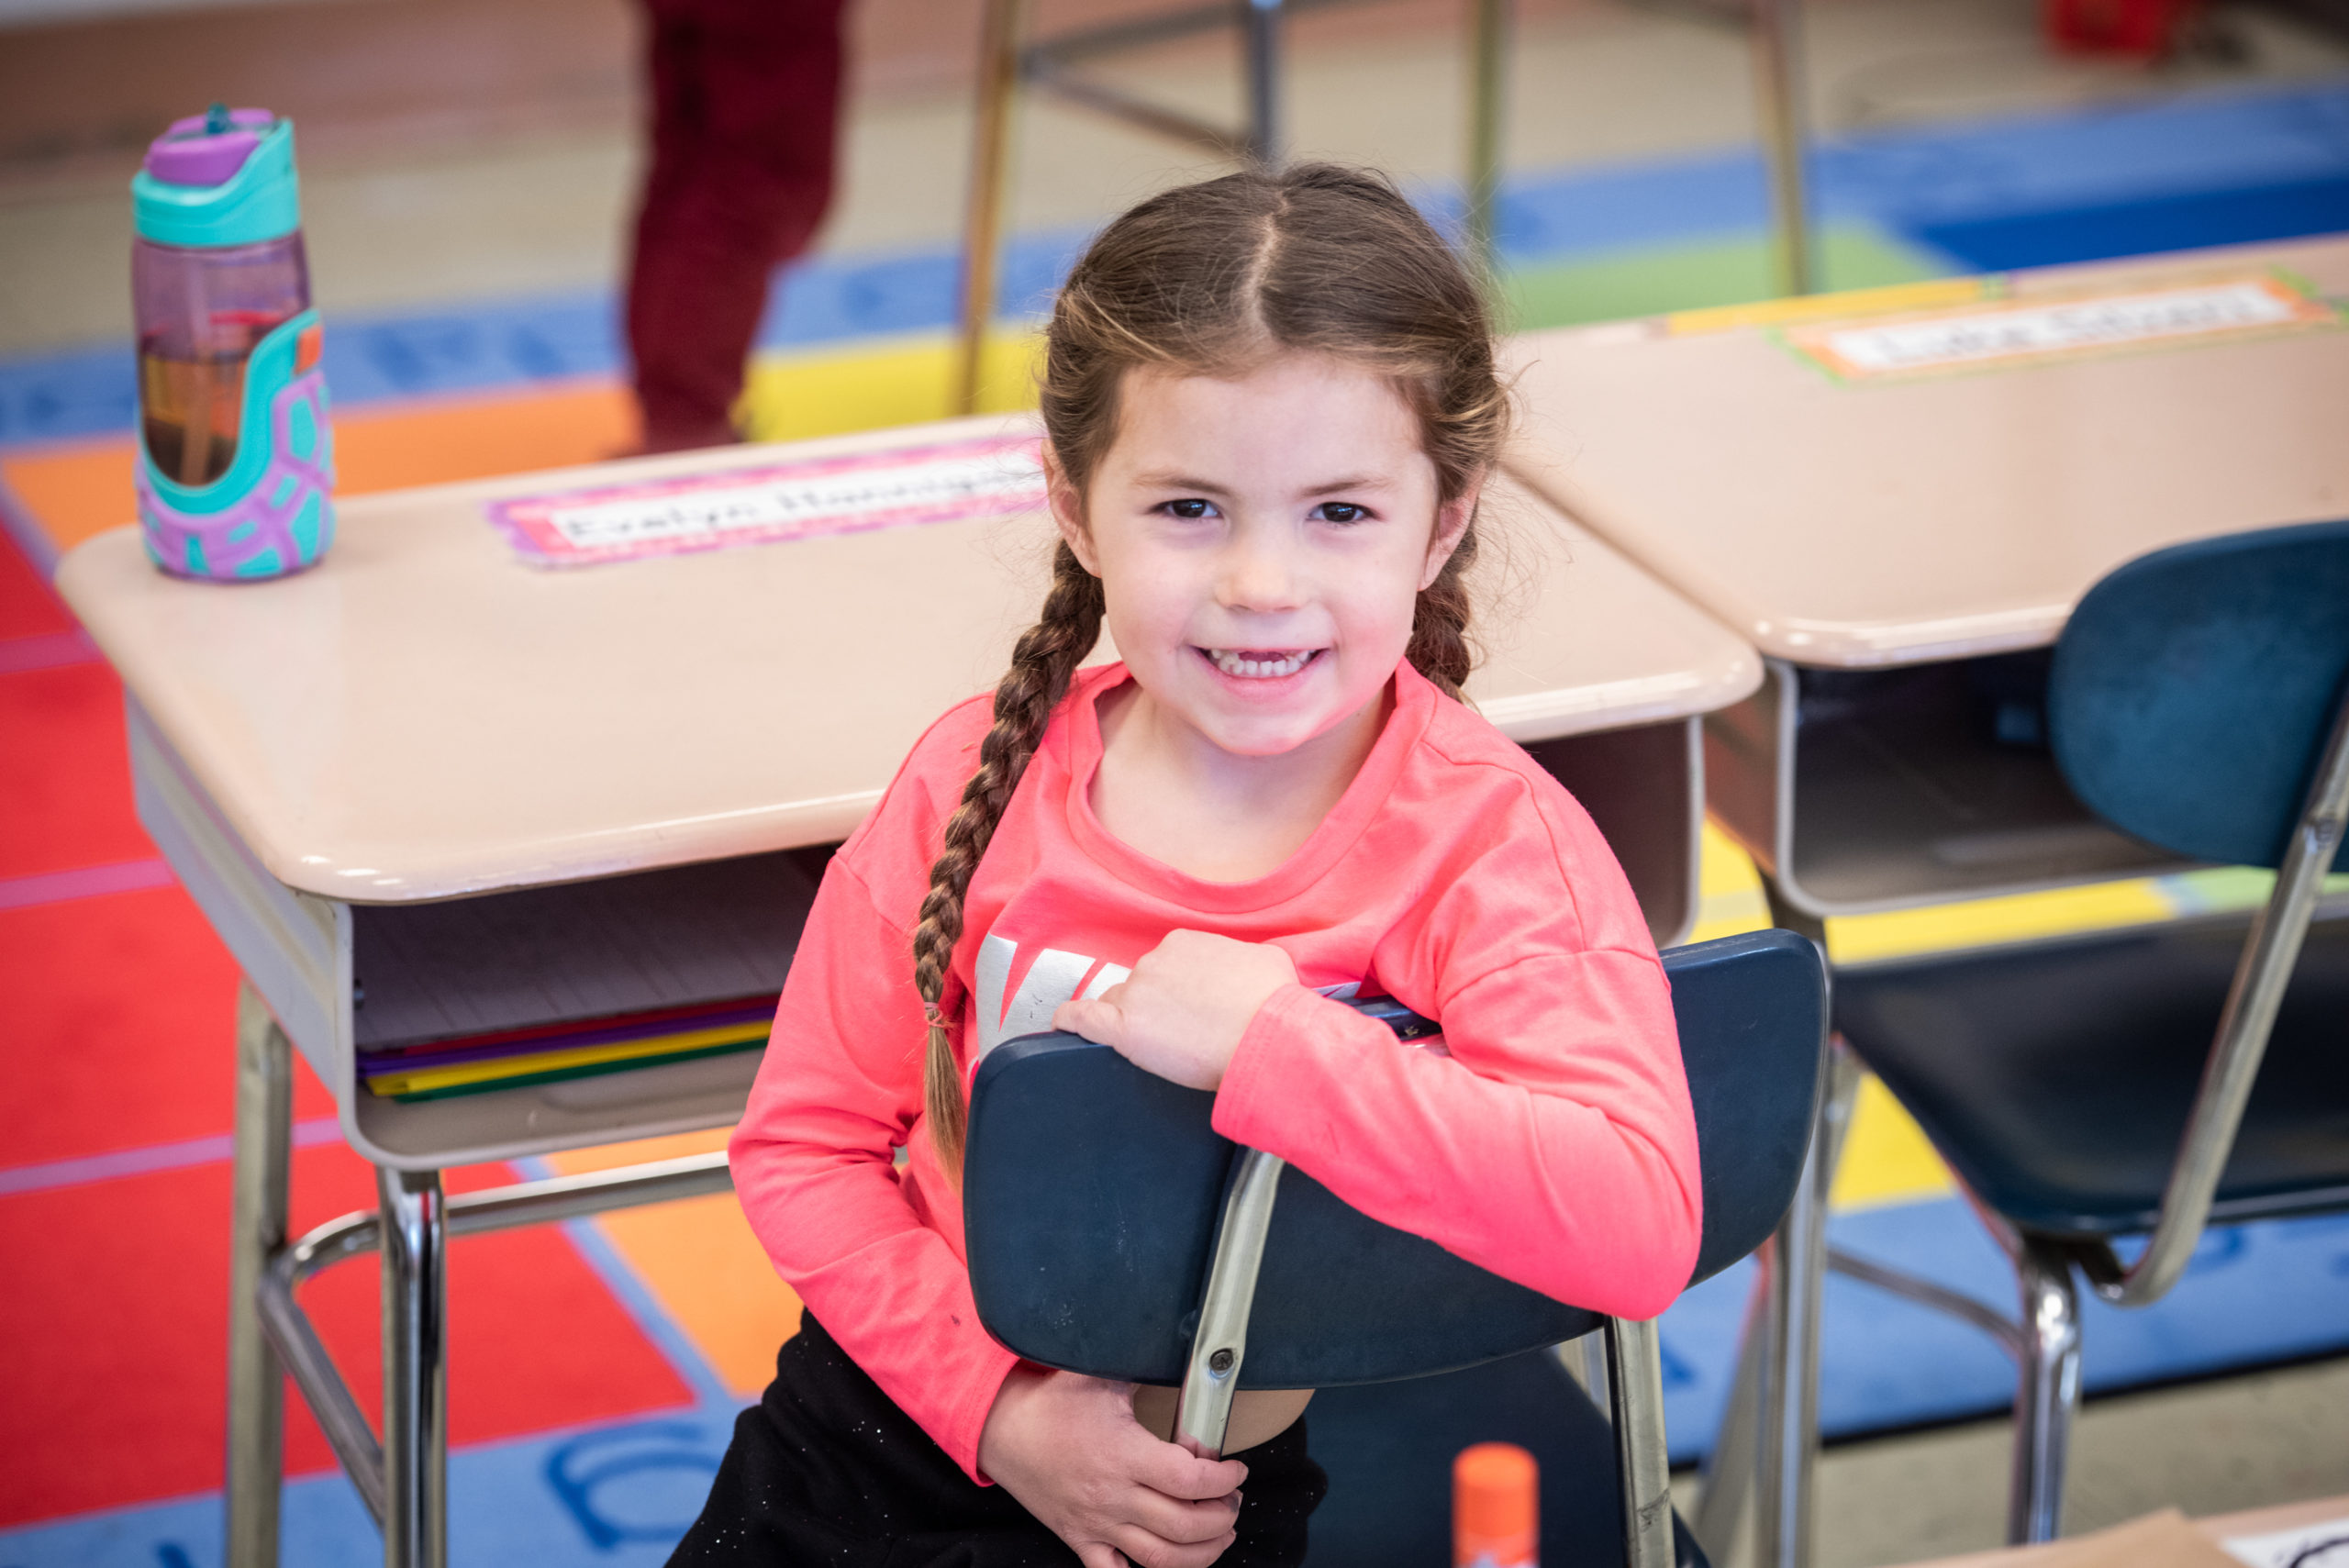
(550, 983)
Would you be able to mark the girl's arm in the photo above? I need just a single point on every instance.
(1555, 1145)
(813, 1163)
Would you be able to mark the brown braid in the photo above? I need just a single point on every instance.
(1439, 648)
(1213, 279)
(1043, 662)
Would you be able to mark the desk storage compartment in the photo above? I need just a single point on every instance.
(1645, 789)
(580, 951)
(1872, 789)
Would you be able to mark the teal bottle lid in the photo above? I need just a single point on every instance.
(219, 179)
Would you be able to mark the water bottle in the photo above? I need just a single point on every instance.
(236, 470)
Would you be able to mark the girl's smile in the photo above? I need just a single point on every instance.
(1260, 664)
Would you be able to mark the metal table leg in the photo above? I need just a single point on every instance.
(416, 1371)
(999, 32)
(257, 1229)
(1266, 143)
(1777, 84)
(402, 1479)
(1487, 100)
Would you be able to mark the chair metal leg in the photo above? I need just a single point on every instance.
(415, 1372)
(1635, 1374)
(1263, 20)
(1220, 1346)
(1798, 1276)
(257, 1229)
(1586, 1362)
(1729, 1470)
(2047, 1392)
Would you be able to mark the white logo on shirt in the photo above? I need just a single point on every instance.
(1052, 979)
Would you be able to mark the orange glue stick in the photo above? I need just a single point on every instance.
(1495, 1518)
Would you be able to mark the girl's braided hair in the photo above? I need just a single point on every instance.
(1213, 279)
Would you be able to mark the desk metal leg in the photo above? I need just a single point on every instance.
(256, 1230)
(416, 1372)
(1487, 78)
(1262, 19)
(999, 31)
(1777, 82)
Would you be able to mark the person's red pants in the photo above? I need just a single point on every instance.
(745, 101)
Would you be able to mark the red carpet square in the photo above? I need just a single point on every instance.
(65, 790)
(113, 1324)
(121, 1023)
(28, 608)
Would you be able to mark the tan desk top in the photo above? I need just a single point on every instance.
(1895, 521)
(2215, 1529)
(425, 715)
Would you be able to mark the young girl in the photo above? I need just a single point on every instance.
(1270, 403)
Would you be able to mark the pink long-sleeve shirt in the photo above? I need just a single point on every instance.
(1552, 1145)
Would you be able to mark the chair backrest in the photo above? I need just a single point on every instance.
(2193, 689)
(1091, 1192)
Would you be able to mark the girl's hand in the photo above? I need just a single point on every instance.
(1182, 1012)
(1068, 1447)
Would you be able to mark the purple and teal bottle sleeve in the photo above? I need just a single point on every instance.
(272, 511)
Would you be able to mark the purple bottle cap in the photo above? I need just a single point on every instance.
(207, 149)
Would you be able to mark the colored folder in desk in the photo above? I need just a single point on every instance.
(509, 1058)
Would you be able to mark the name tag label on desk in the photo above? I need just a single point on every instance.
(899, 487)
(2031, 331)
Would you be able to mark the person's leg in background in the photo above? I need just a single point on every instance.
(745, 105)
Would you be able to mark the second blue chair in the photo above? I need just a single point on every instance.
(2147, 1082)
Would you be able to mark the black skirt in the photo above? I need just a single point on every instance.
(826, 1471)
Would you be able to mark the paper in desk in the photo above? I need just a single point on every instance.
(585, 950)
(940, 482)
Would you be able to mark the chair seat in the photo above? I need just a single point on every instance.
(2057, 1080)
(1389, 1449)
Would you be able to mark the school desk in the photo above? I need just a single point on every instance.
(2269, 1538)
(430, 780)
(1885, 500)
(1897, 496)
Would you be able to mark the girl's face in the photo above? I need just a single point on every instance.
(1262, 542)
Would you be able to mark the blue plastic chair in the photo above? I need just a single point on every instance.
(2151, 1080)
(1111, 1232)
